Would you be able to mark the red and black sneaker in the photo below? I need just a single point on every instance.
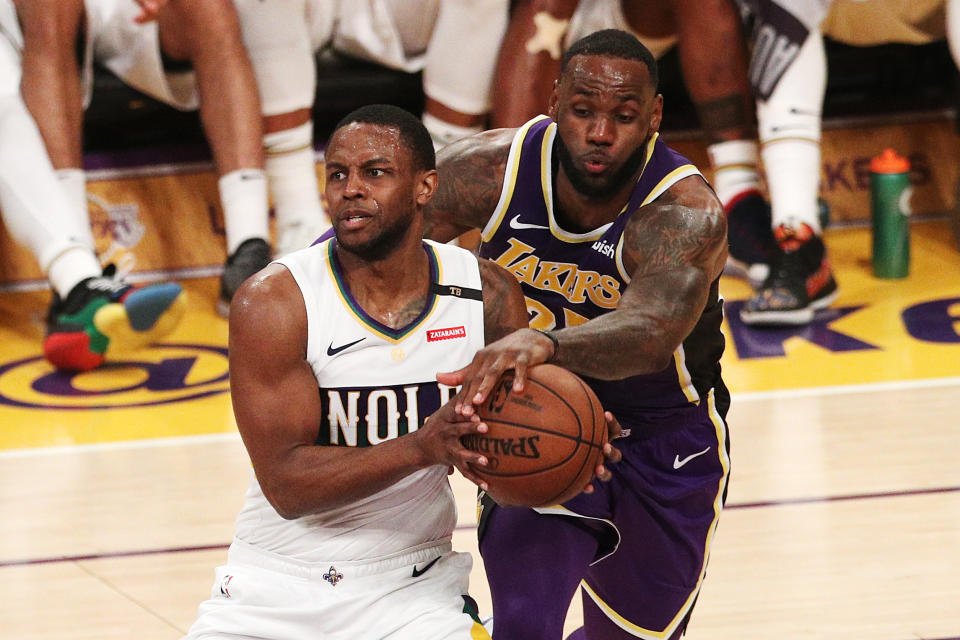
(752, 245)
(800, 281)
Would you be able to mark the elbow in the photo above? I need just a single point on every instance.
(287, 512)
(283, 499)
(660, 361)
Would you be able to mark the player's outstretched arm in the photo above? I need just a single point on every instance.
(471, 176)
(675, 248)
(278, 411)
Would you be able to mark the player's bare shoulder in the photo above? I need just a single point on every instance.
(685, 225)
(471, 178)
(504, 307)
(268, 301)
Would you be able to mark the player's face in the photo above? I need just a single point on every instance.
(606, 110)
(372, 190)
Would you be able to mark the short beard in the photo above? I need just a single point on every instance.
(380, 247)
(613, 184)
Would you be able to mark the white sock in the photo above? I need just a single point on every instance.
(35, 208)
(443, 132)
(294, 190)
(243, 196)
(71, 267)
(793, 180)
(74, 183)
(734, 165)
(789, 124)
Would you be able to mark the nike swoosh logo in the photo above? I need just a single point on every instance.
(516, 224)
(417, 573)
(677, 462)
(787, 127)
(332, 351)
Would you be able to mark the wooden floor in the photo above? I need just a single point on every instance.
(843, 517)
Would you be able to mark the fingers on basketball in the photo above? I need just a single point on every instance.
(544, 444)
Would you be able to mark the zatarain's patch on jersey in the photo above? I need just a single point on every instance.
(158, 375)
(449, 333)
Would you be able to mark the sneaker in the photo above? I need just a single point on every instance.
(103, 315)
(800, 281)
(752, 245)
(251, 256)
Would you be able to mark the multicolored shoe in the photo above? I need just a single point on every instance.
(800, 281)
(251, 256)
(105, 315)
(752, 245)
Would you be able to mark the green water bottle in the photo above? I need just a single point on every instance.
(890, 210)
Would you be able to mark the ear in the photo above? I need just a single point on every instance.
(656, 114)
(426, 187)
(554, 101)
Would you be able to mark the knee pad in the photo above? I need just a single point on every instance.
(794, 109)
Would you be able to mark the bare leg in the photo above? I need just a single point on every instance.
(50, 83)
(529, 61)
(50, 87)
(208, 34)
(713, 55)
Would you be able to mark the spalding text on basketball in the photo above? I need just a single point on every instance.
(525, 447)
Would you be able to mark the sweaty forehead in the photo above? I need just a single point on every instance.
(592, 74)
(358, 141)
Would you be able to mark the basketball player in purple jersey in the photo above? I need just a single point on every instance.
(618, 243)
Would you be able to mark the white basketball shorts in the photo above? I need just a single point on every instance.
(418, 595)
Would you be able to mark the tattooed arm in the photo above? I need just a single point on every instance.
(471, 177)
(674, 248)
(504, 307)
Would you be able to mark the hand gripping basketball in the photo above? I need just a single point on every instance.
(544, 444)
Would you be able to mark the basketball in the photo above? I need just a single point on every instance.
(544, 443)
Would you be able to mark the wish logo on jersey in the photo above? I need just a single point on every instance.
(366, 416)
(159, 375)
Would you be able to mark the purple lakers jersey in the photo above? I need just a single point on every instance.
(569, 278)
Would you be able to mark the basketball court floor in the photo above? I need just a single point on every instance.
(119, 487)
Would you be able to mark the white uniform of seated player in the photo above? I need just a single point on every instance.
(453, 42)
(207, 36)
(90, 317)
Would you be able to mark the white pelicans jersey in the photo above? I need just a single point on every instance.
(375, 384)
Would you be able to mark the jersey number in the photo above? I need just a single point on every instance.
(540, 317)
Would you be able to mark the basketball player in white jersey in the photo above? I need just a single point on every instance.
(345, 532)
